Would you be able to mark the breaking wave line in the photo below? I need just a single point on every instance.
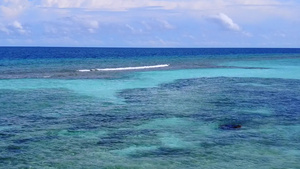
(125, 68)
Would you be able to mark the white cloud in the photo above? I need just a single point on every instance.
(260, 10)
(16, 7)
(130, 27)
(71, 26)
(121, 19)
(92, 26)
(18, 27)
(13, 8)
(166, 24)
(86, 23)
(248, 34)
(226, 22)
(116, 5)
(13, 28)
(121, 5)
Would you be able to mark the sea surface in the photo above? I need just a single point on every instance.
(124, 108)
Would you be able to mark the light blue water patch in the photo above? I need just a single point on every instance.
(107, 89)
(173, 141)
(261, 111)
(167, 124)
(159, 77)
(134, 150)
(285, 69)
(278, 68)
(270, 63)
(170, 131)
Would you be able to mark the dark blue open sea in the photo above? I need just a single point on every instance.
(124, 108)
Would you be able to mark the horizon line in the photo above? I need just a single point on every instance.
(124, 47)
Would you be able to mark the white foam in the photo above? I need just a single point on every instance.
(125, 68)
(84, 70)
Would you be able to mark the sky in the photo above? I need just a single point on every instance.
(150, 23)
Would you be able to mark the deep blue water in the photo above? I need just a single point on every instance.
(60, 52)
(209, 108)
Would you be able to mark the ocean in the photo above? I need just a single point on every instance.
(123, 108)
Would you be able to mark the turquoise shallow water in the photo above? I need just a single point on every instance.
(170, 117)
